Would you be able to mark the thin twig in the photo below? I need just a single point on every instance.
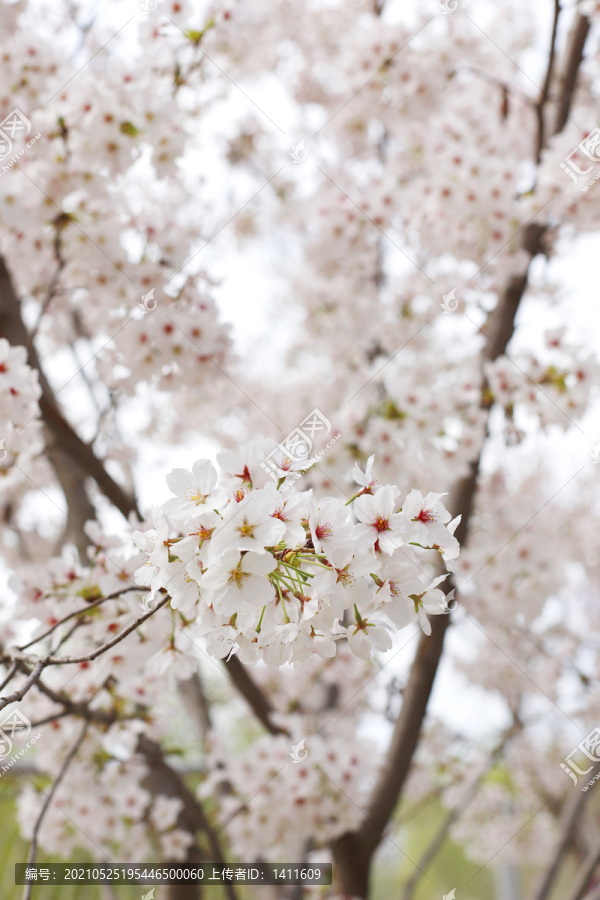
(81, 709)
(571, 813)
(41, 663)
(544, 94)
(48, 801)
(452, 815)
(80, 612)
(11, 674)
(584, 875)
(27, 684)
(577, 40)
(94, 654)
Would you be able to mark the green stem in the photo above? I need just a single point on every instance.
(353, 498)
(286, 618)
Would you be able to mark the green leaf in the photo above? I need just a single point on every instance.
(196, 36)
(129, 129)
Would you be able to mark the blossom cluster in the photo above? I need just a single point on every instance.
(279, 577)
(19, 431)
(555, 388)
(325, 786)
(118, 817)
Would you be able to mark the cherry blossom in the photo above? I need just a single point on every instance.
(175, 286)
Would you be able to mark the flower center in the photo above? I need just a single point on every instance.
(425, 516)
(197, 497)
(237, 577)
(381, 524)
(286, 464)
(247, 529)
(323, 531)
(344, 577)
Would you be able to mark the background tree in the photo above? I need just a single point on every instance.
(396, 189)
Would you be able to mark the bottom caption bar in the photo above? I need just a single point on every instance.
(155, 873)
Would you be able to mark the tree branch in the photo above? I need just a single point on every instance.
(83, 611)
(584, 875)
(574, 57)
(77, 708)
(544, 95)
(10, 675)
(192, 818)
(67, 451)
(47, 802)
(195, 699)
(353, 851)
(252, 693)
(40, 663)
(571, 814)
(93, 654)
(453, 814)
(17, 695)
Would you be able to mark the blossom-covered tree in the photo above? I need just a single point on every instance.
(242, 536)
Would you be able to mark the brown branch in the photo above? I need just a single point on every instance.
(17, 695)
(195, 699)
(508, 90)
(162, 779)
(94, 654)
(574, 57)
(83, 611)
(353, 851)
(544, 95)
(584, 875)
(39, 664)
(571, 813)
(453, 814)
(252, 693)
(48, 801)
(62, 441)
(78, 708)
(80, 508)
(10, 675)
